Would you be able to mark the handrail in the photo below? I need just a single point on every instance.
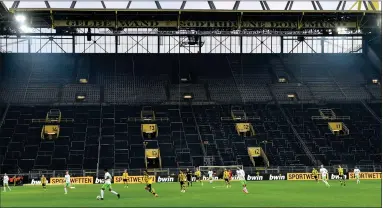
(99, 142)
(304, 146)
(4, 114)
(369, 110)
(199, 133)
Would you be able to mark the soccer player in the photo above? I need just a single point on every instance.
(67, 182)
(241, 176)
(198, 176)
(44, 182)
(182, 180)
(189, 175)
(356, 174)
(5, 182)
(315, 174)
(324, 173)
(108, 185)
(226, 177)
(341, 176)
(125, 178)
(210, 173)
(149, 182)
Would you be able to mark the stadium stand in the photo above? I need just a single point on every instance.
(33, 85)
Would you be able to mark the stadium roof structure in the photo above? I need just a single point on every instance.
(300, 5)
(173, 15)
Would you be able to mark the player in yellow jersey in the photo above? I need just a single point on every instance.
(226, 177)
(315, 173)
(125, 178)
(149, 182)
(198, 176)
(44, 182)
(182, 180)
(342, 178)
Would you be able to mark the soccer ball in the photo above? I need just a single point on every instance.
(98, 197)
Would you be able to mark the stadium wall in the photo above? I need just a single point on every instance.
(163, 178)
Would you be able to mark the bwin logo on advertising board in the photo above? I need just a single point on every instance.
(254, 178)
(99, 181)
(207, 178)
(166, 179)
(279, 177)
(36, 182)
(337, 177)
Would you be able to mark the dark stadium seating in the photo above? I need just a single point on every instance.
(362, 145)
(96, 132)
(190, 134)
(128, 79)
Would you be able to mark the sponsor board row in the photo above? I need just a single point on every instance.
(334, 176)
(140, 179)
(92, 180)
(167, 179)
(259, 177)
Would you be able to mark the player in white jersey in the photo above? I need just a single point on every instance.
(242, 177)
(5, 182)
(107, 185)
(324, 173)
(210, 173)
(357, 175)
(67, 182)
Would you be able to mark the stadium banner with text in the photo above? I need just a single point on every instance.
(266, 177)
(133, 179)
(254, 151)
(152, 153)
(301, 176)
(36, 181)
(204, 24)
(73, 180)
(166, 179)
(258, 177)
(335, 176)
(99, 180)
(366, 176)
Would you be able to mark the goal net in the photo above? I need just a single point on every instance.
(218, 171)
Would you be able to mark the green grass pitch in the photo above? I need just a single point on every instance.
(261, 194)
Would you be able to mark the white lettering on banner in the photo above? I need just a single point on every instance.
(207, 178)
(35, 182)
(336, 177)
(99, 181)
(279, 177)
(167, 179)
(254, 178)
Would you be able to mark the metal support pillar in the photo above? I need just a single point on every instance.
(73, 44)
(241, 44)
(281, 44)
(116, 44)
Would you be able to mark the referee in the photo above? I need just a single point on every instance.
(189, 176)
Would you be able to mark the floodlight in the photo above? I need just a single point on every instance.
(20, 18)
